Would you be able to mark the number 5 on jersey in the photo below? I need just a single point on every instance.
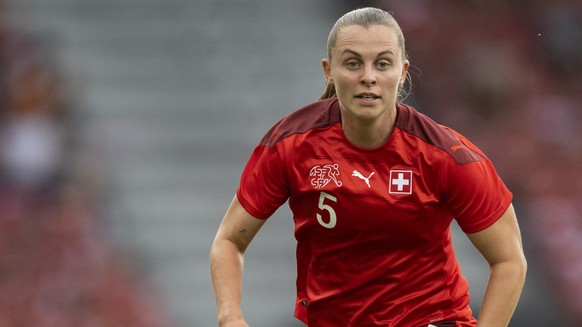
(323, 206)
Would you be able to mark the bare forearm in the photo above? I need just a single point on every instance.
(502, 294)
(226, 269)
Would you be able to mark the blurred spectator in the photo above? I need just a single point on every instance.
(560, 25)
(32, 136)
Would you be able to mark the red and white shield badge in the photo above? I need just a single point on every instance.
(400, 182)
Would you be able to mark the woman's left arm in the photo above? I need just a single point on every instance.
(500, 244)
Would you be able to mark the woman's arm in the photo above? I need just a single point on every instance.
(234, 235)
(500, 244)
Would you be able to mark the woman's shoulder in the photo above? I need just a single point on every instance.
(319, 114)
(445, 139)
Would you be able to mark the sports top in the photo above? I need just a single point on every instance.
(373, 225)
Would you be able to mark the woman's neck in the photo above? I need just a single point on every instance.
(370, 133)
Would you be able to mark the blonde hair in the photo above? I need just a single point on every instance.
(364, 17)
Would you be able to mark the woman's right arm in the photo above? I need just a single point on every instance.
(234, 235)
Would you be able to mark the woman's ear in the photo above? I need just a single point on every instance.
(405, 66)
(326, 70)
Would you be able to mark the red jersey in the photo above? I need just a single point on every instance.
(373, 225)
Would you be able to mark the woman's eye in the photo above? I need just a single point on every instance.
(383, 65)
(352, 64)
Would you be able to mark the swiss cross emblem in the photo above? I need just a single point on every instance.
(400, 182)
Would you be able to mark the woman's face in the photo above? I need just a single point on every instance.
(367, 68)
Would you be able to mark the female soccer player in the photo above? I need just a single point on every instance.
(373, 186)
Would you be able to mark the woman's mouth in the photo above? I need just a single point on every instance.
(367, 96)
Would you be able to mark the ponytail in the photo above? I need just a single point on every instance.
(329, 91)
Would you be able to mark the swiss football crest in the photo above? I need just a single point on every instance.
(400, 182)
(323, 174)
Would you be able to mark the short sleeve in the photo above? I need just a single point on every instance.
(475, 194)
(264, 187)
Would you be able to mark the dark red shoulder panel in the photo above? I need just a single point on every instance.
(319, 114)
(411, 121)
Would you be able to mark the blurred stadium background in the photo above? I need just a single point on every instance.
(124, 126)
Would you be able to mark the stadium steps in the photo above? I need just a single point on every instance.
(177, 93)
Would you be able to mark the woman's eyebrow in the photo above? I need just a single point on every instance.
(351, 52)
(357, 54)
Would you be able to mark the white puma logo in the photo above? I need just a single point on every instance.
(360, 176)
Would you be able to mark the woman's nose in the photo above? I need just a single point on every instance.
(368, 77)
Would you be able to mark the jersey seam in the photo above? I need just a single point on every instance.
(443, 272)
